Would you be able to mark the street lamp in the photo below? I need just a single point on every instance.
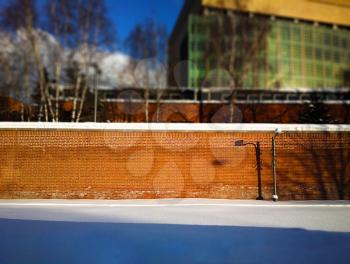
(275, 134)
(97, 74)
(241, 143)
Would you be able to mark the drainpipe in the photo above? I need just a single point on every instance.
(274, 194)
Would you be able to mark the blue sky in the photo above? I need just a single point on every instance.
(127, 13)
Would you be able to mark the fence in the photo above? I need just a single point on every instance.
(120, 161)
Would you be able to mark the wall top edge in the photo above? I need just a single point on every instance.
(173, 127)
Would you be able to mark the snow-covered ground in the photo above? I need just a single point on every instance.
(174, 231)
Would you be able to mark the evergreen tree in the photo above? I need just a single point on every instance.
(316, 112)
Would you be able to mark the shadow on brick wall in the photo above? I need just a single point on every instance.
(315, 166)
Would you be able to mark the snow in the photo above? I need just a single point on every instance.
(174, 231)
(225, 127)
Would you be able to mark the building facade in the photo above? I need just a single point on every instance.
(261, 44)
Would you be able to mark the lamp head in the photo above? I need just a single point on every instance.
(239, 143)
(278, 130)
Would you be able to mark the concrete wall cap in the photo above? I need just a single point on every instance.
(170, 127)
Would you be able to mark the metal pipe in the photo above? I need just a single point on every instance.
(274, 194)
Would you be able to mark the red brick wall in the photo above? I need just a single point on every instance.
(121, 165)
(219, 113)
(135, 112)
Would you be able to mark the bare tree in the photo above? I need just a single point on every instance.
(21, 15)
(147, 42)
(14, 67)
(75, 31)
(236, 46)
(83, 27)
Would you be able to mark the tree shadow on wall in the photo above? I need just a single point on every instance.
(29, 241)
(324, 163)
(321, 160)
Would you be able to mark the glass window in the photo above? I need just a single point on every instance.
(296, 51)
(297, 68)
(319, 70)
(328, 55)
(310, 69)
(327, 39)
(335, 41)
(318, 38)
(285, 33)
(309, 52)
(319, 54)
(296, 34)
(336, 56)
(308, 36)
(329, 71)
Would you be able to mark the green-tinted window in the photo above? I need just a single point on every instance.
(308, 36)
(336, 56)
(328, 55)
(344, 43)
(309, 52)
(310, 69)
(335, 41)
(318, 54)
(318, 37)
(296, 51)
(296, 34)
(327, 39)
(329, 71)
(319, 70)
(296, 54)
(285, 33)
(297, 68)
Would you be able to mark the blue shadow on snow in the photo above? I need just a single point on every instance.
(31, 241)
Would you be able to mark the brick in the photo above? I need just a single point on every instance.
(123, 165)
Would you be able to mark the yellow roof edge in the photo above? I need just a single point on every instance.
(324, 11)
